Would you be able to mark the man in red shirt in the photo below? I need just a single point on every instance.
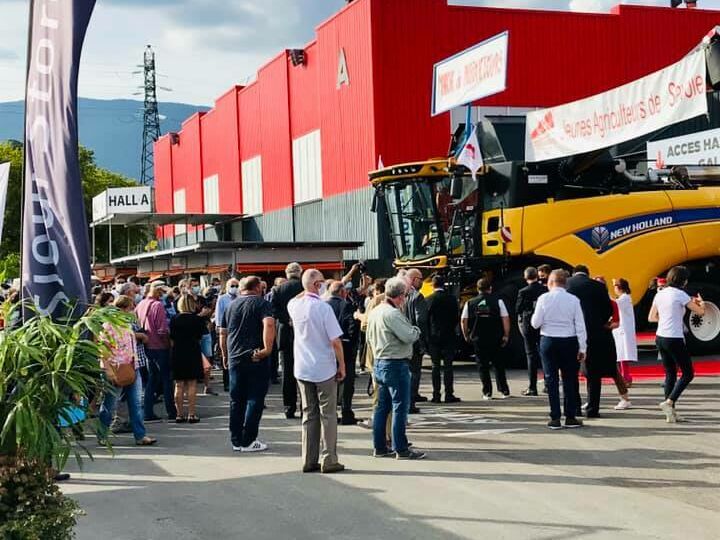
(151, 315)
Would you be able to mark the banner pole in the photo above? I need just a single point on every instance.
(23, 180)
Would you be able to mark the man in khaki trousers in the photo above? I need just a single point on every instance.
(319, 366)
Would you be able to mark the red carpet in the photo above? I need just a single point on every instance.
(703, 368)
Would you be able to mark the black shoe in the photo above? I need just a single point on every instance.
(436, 399)
(272, 381)
(289, 414)
(554, 424)
(414, 410)
(410, 454)
(311, 468)
(210, 392)
(152, 419)
(529, 392)
(452, 399)
(592, 414)
(383, 453)
(61, 477)
(420, 398)
(348, 421)
(573, 423)
(545, 390)
(121, 428)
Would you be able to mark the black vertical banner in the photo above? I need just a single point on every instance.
(55, 251)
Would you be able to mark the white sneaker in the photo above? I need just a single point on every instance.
(256, 446)
(669, 412)
(585, 407)
(624, 404)
(487, 397)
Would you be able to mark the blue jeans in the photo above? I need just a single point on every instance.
(393, 387)
(206, 346)
(159, 366)
(560, 354)
(135, 408)
(248, 386)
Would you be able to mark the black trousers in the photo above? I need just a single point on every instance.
(674, 354)
(415, 374)
(442, 356)
(594, 389)
(274, 363)
(347, 387)
(287, 358)
(486, 355)
(531, 341)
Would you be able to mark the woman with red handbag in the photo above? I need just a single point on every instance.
(121, 367)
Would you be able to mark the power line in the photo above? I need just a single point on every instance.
(151, 118)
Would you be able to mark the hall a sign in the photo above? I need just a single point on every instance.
(702, 148)
(130, 200)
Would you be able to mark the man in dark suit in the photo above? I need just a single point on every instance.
(285, 335)
(443, 318)
(344, 311)
(525, 306)
(597, 310)
(416, 312)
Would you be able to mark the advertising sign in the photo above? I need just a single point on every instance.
(702, 148)
(55, 246)
(668, 96)
(127, 200)
(475, 73)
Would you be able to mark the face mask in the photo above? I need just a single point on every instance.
(233, 291)
(164, 297)
(196, 290)
(323, 289)
(119, 286)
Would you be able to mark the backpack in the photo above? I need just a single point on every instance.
(485, 321)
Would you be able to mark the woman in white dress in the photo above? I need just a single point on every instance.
(624, 334)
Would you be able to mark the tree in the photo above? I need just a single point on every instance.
(95, 180)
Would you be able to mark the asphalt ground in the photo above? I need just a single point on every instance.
(493, 470)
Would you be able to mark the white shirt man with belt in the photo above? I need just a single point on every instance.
(319, 366)
(563, 345)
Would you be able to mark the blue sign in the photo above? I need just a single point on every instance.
(606, 236)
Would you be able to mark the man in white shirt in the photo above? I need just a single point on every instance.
(319, 366)
(563, 345)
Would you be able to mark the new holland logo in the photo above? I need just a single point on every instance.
(600, 238)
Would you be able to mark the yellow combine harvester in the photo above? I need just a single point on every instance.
(586, 209)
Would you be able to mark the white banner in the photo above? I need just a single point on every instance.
(4, 179)
(472, 74)
(668, 96)
(702, 148)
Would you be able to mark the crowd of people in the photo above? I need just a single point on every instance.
(320, 329)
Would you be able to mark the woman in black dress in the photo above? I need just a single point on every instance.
(186, 330)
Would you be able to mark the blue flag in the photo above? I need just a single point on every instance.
(55, 251)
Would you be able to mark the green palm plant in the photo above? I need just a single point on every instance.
(46, 367)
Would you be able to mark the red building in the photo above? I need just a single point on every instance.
(291, 151)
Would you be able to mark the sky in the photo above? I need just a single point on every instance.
(203, 47)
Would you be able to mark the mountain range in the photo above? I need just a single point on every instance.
(111, 128)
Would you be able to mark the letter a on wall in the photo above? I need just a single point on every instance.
(343, 77)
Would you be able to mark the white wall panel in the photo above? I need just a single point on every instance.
(179, 208)
(252, 186)
(211, 195)
(307, 168)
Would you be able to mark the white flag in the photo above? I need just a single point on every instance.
(4, 178)
(470, 156)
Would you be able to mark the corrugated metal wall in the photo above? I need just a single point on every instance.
(275, 135)
(309, 222)
(347, 127)
(221, 150)
(278, 226)
(554, 57)
(348, 217)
